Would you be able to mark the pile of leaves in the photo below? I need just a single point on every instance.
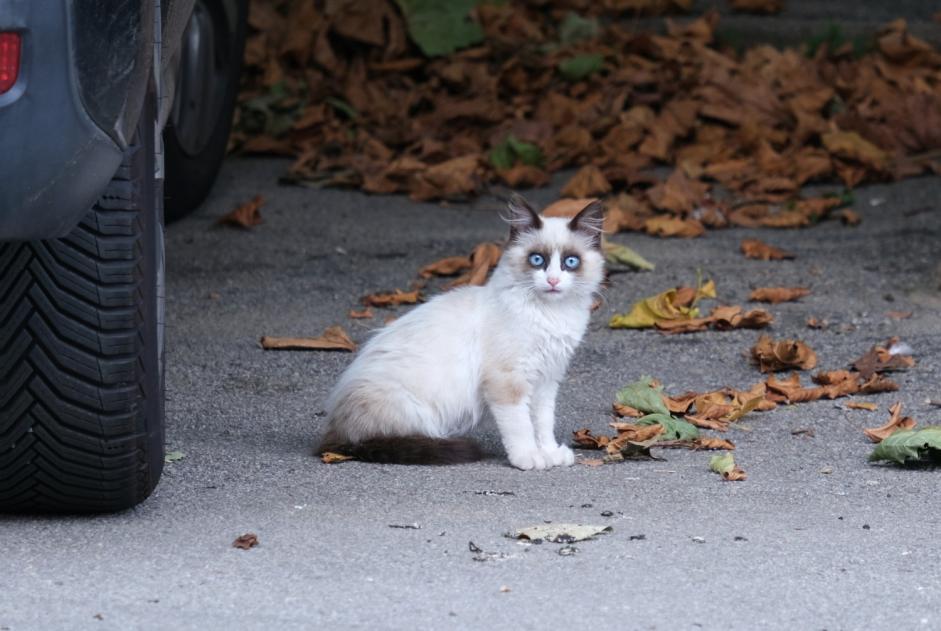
(662, 420)
(439, 100)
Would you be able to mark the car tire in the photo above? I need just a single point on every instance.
(197, 132)
(81, 351)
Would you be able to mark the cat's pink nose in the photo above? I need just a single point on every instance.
(553, 281)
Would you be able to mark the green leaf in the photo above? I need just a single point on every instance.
(673, 428)
(502, 156)
(580, 66)
(342, 106)
(440, 28)
(512, 150)
(173, 456)
(615, 253)
(642, 395)
(909, 446)
(722, 463)
(575, 28)
(527, 152)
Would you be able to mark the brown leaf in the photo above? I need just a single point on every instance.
(714, 443)
(755, 249)
(850, 217)
(246, 541)
(451, 179)
(732, 317)
(524, 176)
(629, 433)
(861, 405)
(850, 145)
(886, 357)
(678, 194)
(330, 457)
(774, 295)
(586, 440)
(735, 475)
(392, 299)
(446, 267)
(334, 338)
(625, 410)
(816, 323)
(483, 259)
(772, 356)
(589, 181)
(899, 315)
(566, 207)
(896, 421)
(592, 462)
(365, 314)
(246, 215)
(667, 226)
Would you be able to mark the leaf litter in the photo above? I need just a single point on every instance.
(438, 101)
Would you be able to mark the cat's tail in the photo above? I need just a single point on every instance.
(413, 449)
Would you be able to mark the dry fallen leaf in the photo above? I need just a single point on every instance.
(774, 295)
(724, 465)
(893, 355)
(446, 267)
(861, 405)
(816, 323)
(329, 457)
(392, 299)
(772, 356)
(589, 181)
(899, 315)
(592, 462)
(850, 217)
(755, 249)
(584, 439)
(674, 304)
(667, 226)
(246, 215)
(483, 259)
(896, 421)
(365, 314)
(334, 338)
(246, 541)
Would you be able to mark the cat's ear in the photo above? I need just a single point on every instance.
(590, 221)
(521, 216)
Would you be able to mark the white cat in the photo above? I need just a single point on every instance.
(423, 380)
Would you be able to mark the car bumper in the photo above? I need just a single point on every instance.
(62, 123)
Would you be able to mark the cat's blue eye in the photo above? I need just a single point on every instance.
(572, 262)
(536, 259)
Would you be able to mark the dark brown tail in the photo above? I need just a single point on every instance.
(408, 450)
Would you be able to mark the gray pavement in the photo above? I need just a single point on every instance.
(852, 549)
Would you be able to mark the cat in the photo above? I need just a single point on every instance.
(423, 380)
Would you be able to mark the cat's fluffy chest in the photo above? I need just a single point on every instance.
(541, 341)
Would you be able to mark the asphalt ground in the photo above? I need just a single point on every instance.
(790, 548)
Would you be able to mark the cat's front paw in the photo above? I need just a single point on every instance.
(527, 460)
(559, 456)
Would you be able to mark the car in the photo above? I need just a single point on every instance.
(113, 116)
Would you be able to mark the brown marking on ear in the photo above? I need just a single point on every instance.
(522, 216)
(590, 221)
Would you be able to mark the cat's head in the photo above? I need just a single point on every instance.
(555, 258)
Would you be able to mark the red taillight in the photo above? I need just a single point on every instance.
(9, 60)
